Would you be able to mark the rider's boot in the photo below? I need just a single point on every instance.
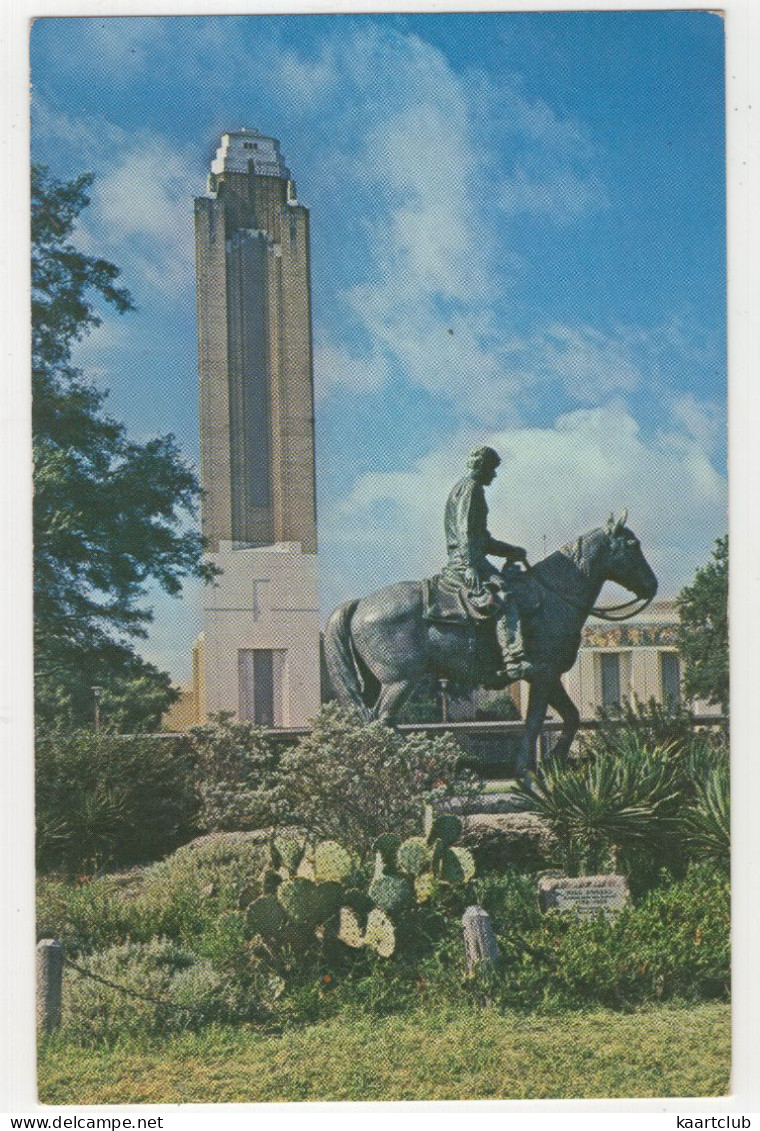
(509, 638)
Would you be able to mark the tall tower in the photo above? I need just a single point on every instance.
(259, 653)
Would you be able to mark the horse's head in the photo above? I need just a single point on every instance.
(625, 562)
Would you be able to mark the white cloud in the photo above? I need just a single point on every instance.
(336, 367)
(140, 215)
(143, 204)
(554, 483)
(561, 195)
(432, 297)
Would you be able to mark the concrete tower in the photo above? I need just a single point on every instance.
(259, 652)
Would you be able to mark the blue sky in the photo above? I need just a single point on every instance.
(517, 239)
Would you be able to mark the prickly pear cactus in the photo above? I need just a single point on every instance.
(391, 893)
(414, 855)
(332, 862)
(446, 828)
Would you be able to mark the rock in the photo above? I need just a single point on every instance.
(498, 839)
(487, 803)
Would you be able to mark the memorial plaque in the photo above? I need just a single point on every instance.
(584, 895)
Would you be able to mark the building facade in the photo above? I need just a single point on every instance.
(632, 660)
(258, 654)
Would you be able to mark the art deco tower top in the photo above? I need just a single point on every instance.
(244, 151)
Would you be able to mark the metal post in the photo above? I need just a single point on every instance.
(480, 947)
(49, 984)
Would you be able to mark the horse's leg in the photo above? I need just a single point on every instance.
(570, 715)
(538, 701)
(390, 699)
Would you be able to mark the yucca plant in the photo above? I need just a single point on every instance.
(615, 801)
(707, 822)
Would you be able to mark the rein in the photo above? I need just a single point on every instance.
(595, 610)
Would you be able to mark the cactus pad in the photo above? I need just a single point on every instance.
(425, 887)
(329, 897)
(299, 899)
(467, 862)
(380, 935)
(449, 867)
(414, 855)
(391, 893)
(266, 917)
(349, 931)
(332, 862)
(447, 828)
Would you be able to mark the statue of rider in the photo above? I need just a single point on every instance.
(468, 541)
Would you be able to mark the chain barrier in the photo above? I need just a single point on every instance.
(164, 1002)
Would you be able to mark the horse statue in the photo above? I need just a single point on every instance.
(379, 647)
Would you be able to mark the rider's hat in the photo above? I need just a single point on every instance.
(483, 457)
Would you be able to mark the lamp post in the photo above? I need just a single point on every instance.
(444, 683)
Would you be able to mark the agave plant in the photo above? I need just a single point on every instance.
(612, 802)
(707, 822)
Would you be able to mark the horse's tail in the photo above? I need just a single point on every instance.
(340, 655)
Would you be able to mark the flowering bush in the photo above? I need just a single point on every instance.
(353, 781)
(239, 770)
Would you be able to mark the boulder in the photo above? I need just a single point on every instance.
(498, 839)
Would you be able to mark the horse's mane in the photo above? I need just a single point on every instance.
(580, 553)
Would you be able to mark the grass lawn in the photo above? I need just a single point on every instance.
(423, 1055)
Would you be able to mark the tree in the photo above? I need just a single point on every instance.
(110, 515)
(703, 632)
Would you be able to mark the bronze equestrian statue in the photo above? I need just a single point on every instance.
(462, 625)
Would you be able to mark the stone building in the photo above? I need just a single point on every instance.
(258, 654)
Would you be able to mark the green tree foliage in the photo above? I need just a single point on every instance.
(703, 634)
(110, 515)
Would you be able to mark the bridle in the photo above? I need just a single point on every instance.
(603, 613)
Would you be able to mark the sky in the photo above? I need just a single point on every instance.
(517, 225)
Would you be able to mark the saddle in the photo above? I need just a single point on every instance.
(444, 603)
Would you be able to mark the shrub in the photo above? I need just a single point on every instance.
(654, 724)
(673, 944)
(618, 800)
(707, 821)
(240, 781)
(352, 781)
(181, 898)
(153, 988)
(105, 797)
